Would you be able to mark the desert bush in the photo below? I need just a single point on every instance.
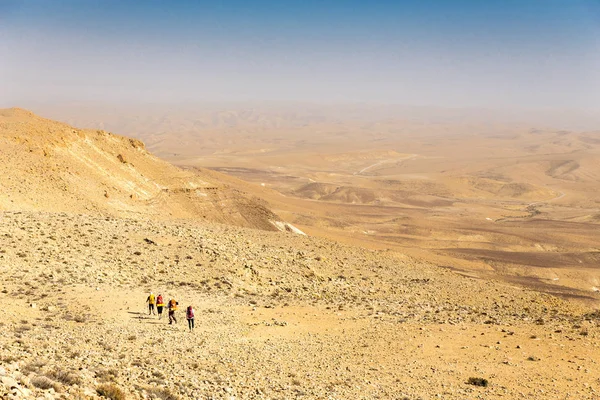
(478, 381)
(65, 377)
(162, 394)
(34, 366)
(8, 359)
(45, 383)
(158, 374)
(80, 318)
(107, 374)
(110, 391)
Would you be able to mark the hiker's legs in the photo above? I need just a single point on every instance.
(152, 308)
(149, 308)
(191, 323)
(159, 309)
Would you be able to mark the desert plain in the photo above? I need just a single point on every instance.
(345, 255)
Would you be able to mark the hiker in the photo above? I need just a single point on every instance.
(172, 307)
(159, 305)
(189, 314)
(151, 300)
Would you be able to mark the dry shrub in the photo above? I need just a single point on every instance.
(107, 374)
(65, 377)
(34, 366)
(162, 394)
(80, 319)
(110, 391)
(45, 383)
(158, 374)
(8, 359)
(478, 381)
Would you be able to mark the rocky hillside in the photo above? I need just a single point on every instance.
(278, 316)
(50, 166)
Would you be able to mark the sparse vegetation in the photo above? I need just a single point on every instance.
(33, 366)
(111, 391)
(45, 383)
(64, 377)
(478, 381)
(107, 374)
(162, 393)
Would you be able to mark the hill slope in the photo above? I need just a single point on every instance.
(51, 166)
(278, 316)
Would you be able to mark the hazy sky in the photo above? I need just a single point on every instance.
(449, 53)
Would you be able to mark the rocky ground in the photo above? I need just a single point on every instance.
(278, 316)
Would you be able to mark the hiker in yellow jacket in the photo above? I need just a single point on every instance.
(151, 300)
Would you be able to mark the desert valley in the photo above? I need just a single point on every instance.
(327, 256)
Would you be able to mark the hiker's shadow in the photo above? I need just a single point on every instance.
(140, 315)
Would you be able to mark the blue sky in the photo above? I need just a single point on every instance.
(524, 54)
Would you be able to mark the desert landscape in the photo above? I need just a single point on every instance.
(371, 260)
(511, 201)
(349, 200)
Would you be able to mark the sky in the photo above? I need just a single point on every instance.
(515, 54)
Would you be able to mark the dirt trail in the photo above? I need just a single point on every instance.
(402, 159)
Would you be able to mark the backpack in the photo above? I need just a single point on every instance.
(190, 312)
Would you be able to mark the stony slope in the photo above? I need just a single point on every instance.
(47, 165)
(278, 316)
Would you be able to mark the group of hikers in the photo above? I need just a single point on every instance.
(172, 304)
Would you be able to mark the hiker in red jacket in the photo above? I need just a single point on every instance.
(189, 314)
(159, 305)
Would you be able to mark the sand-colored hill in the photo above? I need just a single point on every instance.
(50, 166)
